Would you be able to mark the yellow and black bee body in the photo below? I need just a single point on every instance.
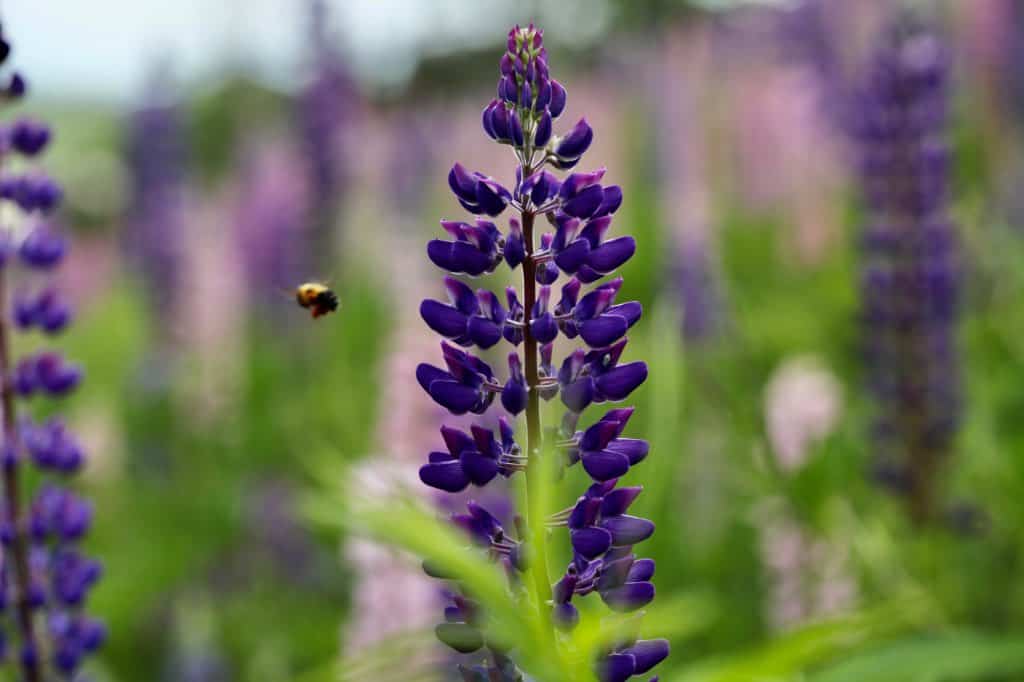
(317, 298)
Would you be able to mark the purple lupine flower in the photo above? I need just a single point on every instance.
(910, 277)
(44, 576)
(155, 239)
(579, 248)
(270, 221)
(326, 105)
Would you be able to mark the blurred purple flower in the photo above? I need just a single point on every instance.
(270, 222)
(44, 577)
(911, 273)
(156, 156)
(327, 104)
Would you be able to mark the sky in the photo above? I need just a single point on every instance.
(104, 49)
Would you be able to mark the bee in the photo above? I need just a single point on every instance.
(318, 298)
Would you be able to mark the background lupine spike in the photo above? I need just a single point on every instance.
(910, 271)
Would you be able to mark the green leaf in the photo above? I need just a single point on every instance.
(959, 656)
(794, 653)
(406, 524)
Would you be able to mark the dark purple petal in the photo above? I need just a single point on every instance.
(619, 382)
(591, 542)
(557, 99)
(576, 141)
(573, 256)
(626, 529)
(516, 129)
(544, 328)
(514, 397)
(648, 653)
(578, 394)
(458, 398)
(443, 319)
(446, 476)
(542, 134)
(458, 257)
(605, 465)
(642, 569)
(617, 501)
(612, 200)
(603, 330)
(585, 203)
(479, 469)
(612, 254)
(616, 668)
(597, 436)
(462, 183)
(631, 311)
(483, 332)
(515, 247)
(633, 448)
(629, 597)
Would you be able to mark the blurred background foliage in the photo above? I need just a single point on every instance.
(213, 413)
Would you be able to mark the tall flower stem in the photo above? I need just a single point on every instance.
(12, 494)
(534, 437)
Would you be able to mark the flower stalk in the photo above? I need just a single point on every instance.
(580, 210)
(42, 572)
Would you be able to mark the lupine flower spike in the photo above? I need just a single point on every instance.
(44, 577)
(579, 250)
(910, 274)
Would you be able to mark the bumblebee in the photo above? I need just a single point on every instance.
(317, 298)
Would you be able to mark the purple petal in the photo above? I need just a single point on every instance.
(514, 397)
(591, 542)
(456, 441)
(542, 134)
(576, 141)
(603, 330)
(573, 256)
(483, 332)
(642, 569)
(597, 436)
(619, 382)
(462, 182)
(578, 394)
(479, 469)
(616, 668)
(446, 476)
(626, 529)
(630, 311)
(544, 328)
(458, 398)
(439, 457)
(443, 319)
(617, 501)
(629, 597)
(612, 200)
(605, 465)
(428, 374)
(633, 448)
(557, 99)
(612, 253)
(585, 203)
(648, 653)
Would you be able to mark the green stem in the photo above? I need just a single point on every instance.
(534, 437)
